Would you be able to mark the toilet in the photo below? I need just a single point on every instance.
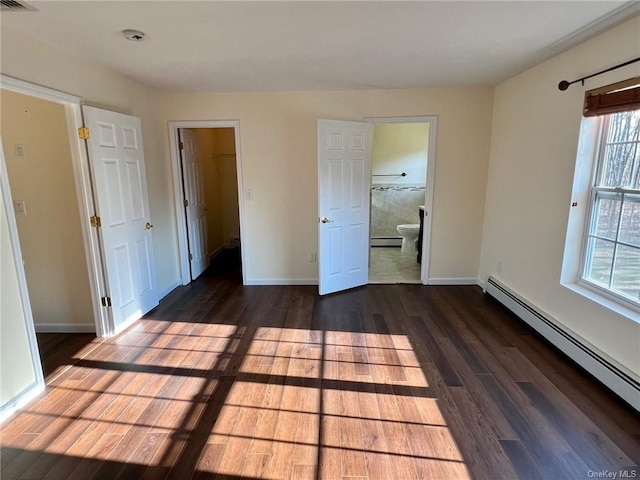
(409, 234)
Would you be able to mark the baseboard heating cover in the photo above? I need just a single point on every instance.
(585, 355)
(386, 241)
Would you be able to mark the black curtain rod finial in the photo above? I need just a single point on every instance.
(563, 85)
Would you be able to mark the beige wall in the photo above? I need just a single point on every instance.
(533, 157)
(221, 186)
(279, 150)
(397, 148)
(225, 159)
(17, 372)
(211, 190)
(50, 233)
(28, 59)
(278, 132)
(225, 141)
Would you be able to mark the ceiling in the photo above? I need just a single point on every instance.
(207, 46)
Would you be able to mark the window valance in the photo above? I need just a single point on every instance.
(618, 97)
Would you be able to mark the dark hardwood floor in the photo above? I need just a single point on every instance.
(383, 382)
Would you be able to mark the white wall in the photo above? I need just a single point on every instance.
(533, 156)
(279, 154)
(50, 232)
(28, 59)
(397, 148)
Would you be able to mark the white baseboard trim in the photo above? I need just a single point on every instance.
(281, 281)
(453, 281)
(314, 281)
(65, 328)
(169, 289)
(616, 377)
(20, 400)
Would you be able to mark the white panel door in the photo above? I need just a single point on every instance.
(344, 177)
(195, 206)
(117, 163)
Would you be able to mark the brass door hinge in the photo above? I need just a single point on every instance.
(106, 301)
(83, 133)
(96, 222)
(190, 257)
(186, 202)
(181, 146)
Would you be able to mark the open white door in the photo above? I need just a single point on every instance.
(344, 177)
(120, 185)
(195, 207)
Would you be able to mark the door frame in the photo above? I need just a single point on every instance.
(432, 120)
(84, 192)
(178, 191)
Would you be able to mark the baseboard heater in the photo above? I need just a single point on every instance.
(386, 241)
(569, 343)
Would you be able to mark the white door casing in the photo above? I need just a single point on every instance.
(432, 121)
(344, 177)
(116, 157)
(195, 206)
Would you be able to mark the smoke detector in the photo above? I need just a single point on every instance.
(133, 35)
(15, 6)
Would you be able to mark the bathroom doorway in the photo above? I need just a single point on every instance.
(207, 183)
(400, 199)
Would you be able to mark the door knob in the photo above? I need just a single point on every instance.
(326, 220)
(148, 226)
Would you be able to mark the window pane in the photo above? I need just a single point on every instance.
(635, 174)
(630, 220)
(618, 166)
(623, 127)
(618, 162)
(626, 277)
(606, 215)
(599, 268)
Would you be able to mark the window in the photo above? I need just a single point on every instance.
(611, 253)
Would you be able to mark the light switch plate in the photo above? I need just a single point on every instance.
(20, 207)
(20, 151)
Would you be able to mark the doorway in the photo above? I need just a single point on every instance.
(402, 157)
(84, 204)
(40, 169)
(207, 182)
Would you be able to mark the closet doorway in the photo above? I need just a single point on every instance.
(207, 181)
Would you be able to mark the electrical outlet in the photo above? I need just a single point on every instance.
(248, 194)
(312, 257)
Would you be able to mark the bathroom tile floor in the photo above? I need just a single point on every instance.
(390, 265)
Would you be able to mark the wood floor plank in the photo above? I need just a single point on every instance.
(521, 460)
(226, 381)
(269, 413)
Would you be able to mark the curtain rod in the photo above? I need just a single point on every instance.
(563, 85)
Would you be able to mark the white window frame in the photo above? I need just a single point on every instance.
(594, 190)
